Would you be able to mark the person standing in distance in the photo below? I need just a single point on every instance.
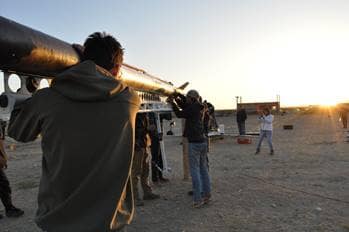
(343, 114)
(86, 119)
(266, 130)
(241, 117)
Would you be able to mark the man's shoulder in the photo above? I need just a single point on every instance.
(130, 95)
(44, 94)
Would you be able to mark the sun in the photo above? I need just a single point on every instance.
(327, 102)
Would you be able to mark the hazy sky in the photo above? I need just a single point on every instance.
(254, 49)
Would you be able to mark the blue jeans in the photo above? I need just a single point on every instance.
(199, 170)
(268, 134)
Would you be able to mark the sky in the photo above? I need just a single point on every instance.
(298, 49)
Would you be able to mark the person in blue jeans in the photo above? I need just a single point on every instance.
(193, 110)
(266, 130)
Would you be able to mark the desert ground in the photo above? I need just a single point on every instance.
(303, 187)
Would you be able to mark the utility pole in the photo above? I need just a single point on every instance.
(237, 101)
(278, 100)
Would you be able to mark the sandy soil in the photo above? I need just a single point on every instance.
(303, 187)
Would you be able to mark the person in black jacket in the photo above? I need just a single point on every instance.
(212, 122)
(193, 111)
(241, 117)
(343, 112)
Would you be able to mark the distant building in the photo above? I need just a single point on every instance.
(254, 107)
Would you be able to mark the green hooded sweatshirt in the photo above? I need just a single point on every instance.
(86, 120)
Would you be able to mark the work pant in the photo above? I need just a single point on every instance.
(140, 169)
(5, 190)
(265, 134)
(199, 171)
(242, 129)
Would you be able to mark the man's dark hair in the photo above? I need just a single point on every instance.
(104, 50)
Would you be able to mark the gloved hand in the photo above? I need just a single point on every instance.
(170, 99)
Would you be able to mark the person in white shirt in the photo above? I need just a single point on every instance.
(266, 130)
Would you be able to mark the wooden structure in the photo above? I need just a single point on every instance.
(254, 107)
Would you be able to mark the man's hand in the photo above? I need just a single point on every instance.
(3, 162)
(170, 99)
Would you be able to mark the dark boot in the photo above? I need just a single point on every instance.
(163, 179)
(14, 212)
(151, 196)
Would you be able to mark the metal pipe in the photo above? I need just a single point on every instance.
(27, 51)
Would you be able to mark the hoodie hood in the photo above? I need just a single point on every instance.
(87, 81)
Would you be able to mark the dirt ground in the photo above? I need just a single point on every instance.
(303, 187)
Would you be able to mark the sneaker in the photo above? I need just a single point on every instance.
(151, 196)
(139, 203)
(14, 212)
(206, 199)
(198, 204)
(271, 152)
(156, 182)
(191, 193)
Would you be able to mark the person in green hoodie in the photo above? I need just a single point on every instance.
(86, 119)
